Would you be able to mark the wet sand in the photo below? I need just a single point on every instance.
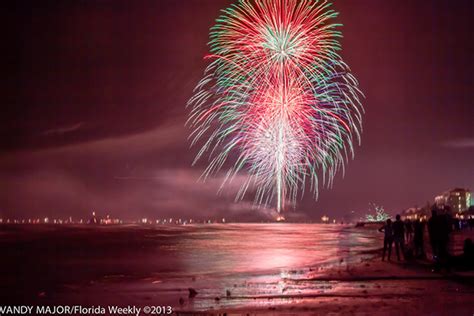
(279, 269)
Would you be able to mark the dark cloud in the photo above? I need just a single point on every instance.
(128, 176)
(64, 129)
(460, 143)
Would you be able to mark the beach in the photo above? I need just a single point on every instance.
(279, 269)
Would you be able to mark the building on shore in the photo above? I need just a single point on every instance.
(417, 213)
(456, 201)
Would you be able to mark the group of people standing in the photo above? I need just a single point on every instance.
(394, 233)
(408, 238)
(439, 228)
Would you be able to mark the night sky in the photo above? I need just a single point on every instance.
(94, 94)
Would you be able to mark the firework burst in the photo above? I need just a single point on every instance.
(276, 99)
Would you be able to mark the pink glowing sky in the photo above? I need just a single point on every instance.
(94, 101)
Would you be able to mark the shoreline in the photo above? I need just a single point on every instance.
(371, 288)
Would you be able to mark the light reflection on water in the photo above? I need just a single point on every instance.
(255, 260)
(223, 249)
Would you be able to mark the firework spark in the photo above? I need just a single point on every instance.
(276, 99)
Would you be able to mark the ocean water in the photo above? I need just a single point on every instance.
(227, 265)
(232, 265)
(233, 249)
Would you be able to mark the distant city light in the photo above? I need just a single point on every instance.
(280, 218)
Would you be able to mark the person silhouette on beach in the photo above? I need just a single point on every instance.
(471, 223)
(399, 236)
(465, 261)
(433, 231)
(439, 228)
(388, 238)
(468, 253)
(419, 228)
(408, 230)
(446, 227)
